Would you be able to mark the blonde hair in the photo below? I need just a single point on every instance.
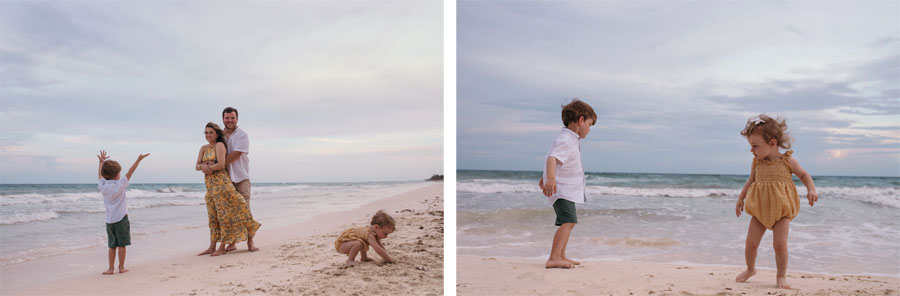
(769, 128)
(383, 219)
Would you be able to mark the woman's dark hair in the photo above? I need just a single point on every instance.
(220, 135)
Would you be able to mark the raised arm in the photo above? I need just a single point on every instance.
(102, 158)
(135, 165)
(807, 180)
(740, 202)
(373, 241)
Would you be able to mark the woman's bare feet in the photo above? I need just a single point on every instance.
(220, 251)
(558, 264)
(251, 246)
(744, 276)
(109, 272)
(122, 269)
(781, 282)
(207, 252)
(231, 247)
(350, 262)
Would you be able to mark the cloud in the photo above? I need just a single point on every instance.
(137, 77)
(673, 83)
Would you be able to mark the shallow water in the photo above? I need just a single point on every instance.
(45, 220)
(854, 228)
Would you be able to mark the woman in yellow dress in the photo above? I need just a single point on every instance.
(230, 220)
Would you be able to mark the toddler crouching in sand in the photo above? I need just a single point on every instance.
(357, 240)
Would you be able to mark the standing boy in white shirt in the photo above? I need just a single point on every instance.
(112, 186)
(563, 180)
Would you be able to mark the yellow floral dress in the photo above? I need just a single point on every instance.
(230, 220)
(773, 194)
(360, 234)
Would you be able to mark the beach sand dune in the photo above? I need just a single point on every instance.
(297, 259)
(506, 276)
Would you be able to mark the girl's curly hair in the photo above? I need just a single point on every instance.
(769, 128)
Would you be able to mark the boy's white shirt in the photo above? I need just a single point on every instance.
(239, 170)
(570, 181)
(114, 198)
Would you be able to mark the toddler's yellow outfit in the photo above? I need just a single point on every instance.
(773, 194)
(360, 234)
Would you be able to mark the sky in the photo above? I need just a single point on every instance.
(327, 92)
(674, 82)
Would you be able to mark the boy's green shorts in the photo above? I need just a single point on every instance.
(565, 211)
(119, 233)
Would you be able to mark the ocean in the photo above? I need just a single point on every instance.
(41, 220)
(854, 228)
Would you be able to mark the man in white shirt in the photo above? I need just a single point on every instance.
(563, 180)
(236, 158)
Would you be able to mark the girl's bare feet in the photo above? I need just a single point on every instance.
(109, 272)
(207, 252)
(781, 282)
(366, 259)
(558, 264)
(744, 276)
(350, 262)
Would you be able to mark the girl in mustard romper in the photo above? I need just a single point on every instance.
(357, 240)
(769, 195)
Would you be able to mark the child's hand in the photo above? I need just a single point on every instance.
(549, 188)
(142, 156)
(739, 207)
(102, 156)
(812, 196)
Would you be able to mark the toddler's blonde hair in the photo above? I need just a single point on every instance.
(383, 219)
(769, 128)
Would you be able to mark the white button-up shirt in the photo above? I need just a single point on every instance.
(570, 181)
(239, 170)
(113, 192)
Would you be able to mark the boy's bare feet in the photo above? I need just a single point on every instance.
(558, 264)
(781, 282)
(206, 252)
(350, 262)
(744, 276)
(122, 270)
(572, 261)
(109, 272)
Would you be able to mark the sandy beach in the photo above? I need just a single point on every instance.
(505, 276)
(298, 259)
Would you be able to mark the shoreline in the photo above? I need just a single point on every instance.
(478, 275)
(689, 264)
(168, 264)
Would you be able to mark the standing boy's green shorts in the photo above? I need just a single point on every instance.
(565, 211)
(119, 233)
